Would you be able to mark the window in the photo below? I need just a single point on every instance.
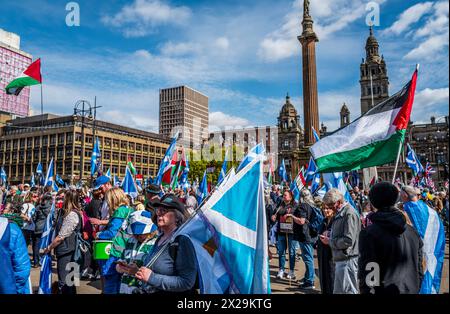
(44, 140)
(123, 157)
(107, 142)
(53, 139)
(107, 156)
(116, 143)
(145, 148)
(29, 142)
(139, 147)
(61, 138)
(115, 156)
(69, 138)
(15, 144)
(37, 141)
(123, 145)
(78, 137)
(286, 144)
(22, 143)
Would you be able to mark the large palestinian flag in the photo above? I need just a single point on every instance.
(371, 140)
(31, 76)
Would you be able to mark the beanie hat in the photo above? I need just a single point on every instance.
(383, 195)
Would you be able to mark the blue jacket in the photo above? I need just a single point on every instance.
(20, 259)
(7, 280)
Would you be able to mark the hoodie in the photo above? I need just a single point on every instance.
(390, 255)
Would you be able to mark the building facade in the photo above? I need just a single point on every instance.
(13, 62)
(23, 144)
(291, 139)
(186, 110)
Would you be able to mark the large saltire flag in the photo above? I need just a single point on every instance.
(427, 222)
(311, 170)
(45, 278)
(50, 172)
(371, 140)
(128, 185)
(166, 160)
(39, 169)
(335, 180)
(413, 162)
(231, 242)
(96, 157)
(31, 76)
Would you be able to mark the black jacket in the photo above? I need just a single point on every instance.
(40, 216)
(302, 232)
(397, 248)
(93, 209)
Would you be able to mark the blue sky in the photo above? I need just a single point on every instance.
(244, 55)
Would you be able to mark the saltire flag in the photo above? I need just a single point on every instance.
(31, 76)
(39, 169)
(166, 160)
(231, 245)
(315, 183)
(311, 170)
(223, 171)
(139, 184)
(321, 192)
(427, 222)
(413, 162)
(252, 154)
(184, 175)
(371, 140)
(45, 278)
(202, 190)
(59, 180)
(295, 191)
(128, 185)
(49, 177)
(55, 186)
(32, 182)
(116, 181)
(95, 157)
(3, 176)
(108, 173)
(335, 180)
(354, 178)
(316, 136)
(131, 167)
(282, 172)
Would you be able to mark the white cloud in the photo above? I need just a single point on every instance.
(178, 49)
(429, 48)
(219, 121)
(437, 23)
(222, 43)
(142, 16)
(429, 97)
(330, 16)
(408, 17)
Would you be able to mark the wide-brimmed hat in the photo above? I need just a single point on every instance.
(170, 201)
(141, 223)
(153, 189)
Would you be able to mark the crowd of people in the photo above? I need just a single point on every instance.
(376, 229)
(144, 257)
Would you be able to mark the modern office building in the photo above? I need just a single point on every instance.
(23, 144)
(13, 62)
(186, 110)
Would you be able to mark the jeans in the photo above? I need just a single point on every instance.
(112, 284)
(36, 242)
(282, 243)
(308, 258)
(346, 277)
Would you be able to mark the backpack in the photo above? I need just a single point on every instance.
(81, 245)
(315, 221)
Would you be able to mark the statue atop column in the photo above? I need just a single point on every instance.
(306, 8)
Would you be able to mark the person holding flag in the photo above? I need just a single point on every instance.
(431, 230)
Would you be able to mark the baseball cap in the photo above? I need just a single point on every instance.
(100, 181)
(141, 223)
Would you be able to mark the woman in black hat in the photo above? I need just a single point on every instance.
(175, 270)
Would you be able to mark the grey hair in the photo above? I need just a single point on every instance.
(307, 198)
(333, 196)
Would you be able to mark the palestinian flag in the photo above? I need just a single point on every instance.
(178, 170)
(169, 170)
(372, 182)
(371, 140)
(31, 76)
